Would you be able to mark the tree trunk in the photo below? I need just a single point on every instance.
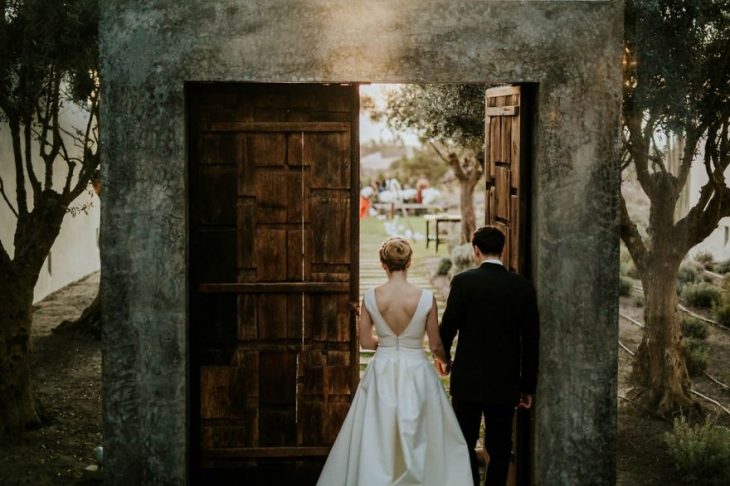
(17, 410)
(468, 216)
(659, 374)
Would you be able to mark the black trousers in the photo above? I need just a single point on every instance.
(497, 438)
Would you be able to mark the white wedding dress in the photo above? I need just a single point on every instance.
(400, 429)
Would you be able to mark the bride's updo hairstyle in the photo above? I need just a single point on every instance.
(395, 253)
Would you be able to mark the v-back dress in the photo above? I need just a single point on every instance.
(401, 429)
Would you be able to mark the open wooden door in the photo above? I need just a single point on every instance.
(273, 180)
(507, 203)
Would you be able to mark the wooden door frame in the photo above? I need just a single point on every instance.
(526, 110)
(523, 439)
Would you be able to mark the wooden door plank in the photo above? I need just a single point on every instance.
(502, 91)
(275, 287)
(507, 110)
(277, 127)
(271, 251)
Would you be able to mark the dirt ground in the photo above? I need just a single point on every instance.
(67, 383)
(67, 387)
(643, 458)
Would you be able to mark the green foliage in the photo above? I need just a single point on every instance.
(678, 68)
(721, 313)
(625, 286)
(701, 294)
(694, 328)
(463, 258)
(452, 114)
(722, 267)
(695, 356)
(423, 163)
(628, 269)
(445, 265)
(705, 260)
(42, 43)
(688, 273)
(701, 453)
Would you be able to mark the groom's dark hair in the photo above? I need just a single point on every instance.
(489, 240)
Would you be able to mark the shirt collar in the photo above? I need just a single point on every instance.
(495, 261)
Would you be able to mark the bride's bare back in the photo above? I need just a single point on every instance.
(397, 302)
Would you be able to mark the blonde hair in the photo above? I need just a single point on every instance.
(395, 253)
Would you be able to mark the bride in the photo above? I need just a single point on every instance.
(400, 429)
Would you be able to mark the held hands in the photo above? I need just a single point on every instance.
(442, 367)
(525, 401)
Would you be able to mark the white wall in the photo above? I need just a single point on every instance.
(75, 252)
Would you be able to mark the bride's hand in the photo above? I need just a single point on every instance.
(442, 368)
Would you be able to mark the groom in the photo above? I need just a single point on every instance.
(494, 311)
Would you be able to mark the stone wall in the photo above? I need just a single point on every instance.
(572, 49)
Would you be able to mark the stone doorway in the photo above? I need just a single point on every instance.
(150, 53)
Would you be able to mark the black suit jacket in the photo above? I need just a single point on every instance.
(494, 311)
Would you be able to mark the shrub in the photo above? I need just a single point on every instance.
(624, 286)
(721, 313)
(701, 294)
(695, 356)
(688, 273)
(628, 269)
(694, 328)
(639, 301)
(701, 453)
(705, 259)
(723, 266)
(462, 257)
(444, 266)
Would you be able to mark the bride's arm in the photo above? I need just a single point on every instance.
(434, 339)
(367, 340)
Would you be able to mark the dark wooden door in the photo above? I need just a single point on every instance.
(507, 203)
(273, 270)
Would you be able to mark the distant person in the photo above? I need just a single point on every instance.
(494, 312)
(366, 197)
(421, 184)
(400, 429)
(393, 186)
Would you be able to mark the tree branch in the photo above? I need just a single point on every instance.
(5, 196)
(438, 152)
(21, 194)
(632, 239)
(701, 222)
(657, 158)
(455, 164)
(688, 154)
(55, 132)
(34, 183)
(90, 163)
(639, 153)
(4, 257)
(714, 201)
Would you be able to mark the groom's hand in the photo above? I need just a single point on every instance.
(525, 401)
(443, 368)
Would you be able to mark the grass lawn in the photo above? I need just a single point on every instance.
(373, 232)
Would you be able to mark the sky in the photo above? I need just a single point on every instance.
(370, 130)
